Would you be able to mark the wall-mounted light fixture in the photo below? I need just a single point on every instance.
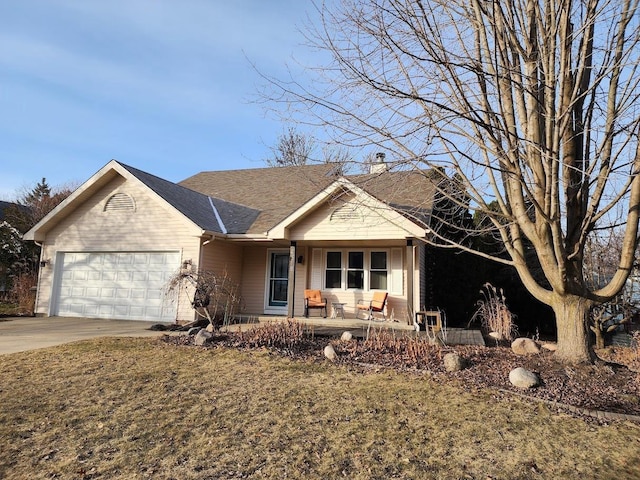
(301, 259)
(44, 263)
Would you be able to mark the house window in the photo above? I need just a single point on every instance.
(355, 270)
(333, 272)
(378, 271)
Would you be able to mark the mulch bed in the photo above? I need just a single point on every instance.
(605, 386)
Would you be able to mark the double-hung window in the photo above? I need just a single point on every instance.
(378, 270)
(333, 271)
(355, 270)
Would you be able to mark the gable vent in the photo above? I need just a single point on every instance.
(347, 213)
(120, 202)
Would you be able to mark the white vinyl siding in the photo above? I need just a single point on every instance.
(350, 221)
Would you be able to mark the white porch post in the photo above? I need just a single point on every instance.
(291, 285)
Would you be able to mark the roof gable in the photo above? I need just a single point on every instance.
(342, 188)
(193, 206)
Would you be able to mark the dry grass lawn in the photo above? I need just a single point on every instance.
(141, 408)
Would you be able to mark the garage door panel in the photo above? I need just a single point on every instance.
(92, 292)
(94, 275)
(107, 293)
(127, 285)
(105, 311)
(138, 294)
(140, 276)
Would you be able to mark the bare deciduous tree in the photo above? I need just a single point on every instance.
(532, 104)
(295, 148)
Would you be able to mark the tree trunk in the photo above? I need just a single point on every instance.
(572, 319)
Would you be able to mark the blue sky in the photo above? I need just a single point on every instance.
(162, 85)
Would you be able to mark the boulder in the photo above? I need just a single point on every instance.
(330, 353)
(524, 346)
(210, 328)
(551, 346)
(523, 378)
(497, 336)
(346, 336)
(454, 362)
(202, 337)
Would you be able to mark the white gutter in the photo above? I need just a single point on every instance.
(249, 238)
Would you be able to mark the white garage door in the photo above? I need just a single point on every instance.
(120, 285)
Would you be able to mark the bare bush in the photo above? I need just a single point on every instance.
(214, 297)
(288, 335)
(413, 352)
(23, 292)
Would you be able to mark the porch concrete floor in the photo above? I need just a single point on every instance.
(336, 326)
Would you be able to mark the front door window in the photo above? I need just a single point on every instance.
(278, 279)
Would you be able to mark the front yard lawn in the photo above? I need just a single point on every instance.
(143, 408)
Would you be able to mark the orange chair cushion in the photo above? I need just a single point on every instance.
(314, 298)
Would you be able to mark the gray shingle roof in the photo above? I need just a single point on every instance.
(278, 192)
(254, 200)
(274, 192)
(193, 205)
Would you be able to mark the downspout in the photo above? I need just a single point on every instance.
(37, 299)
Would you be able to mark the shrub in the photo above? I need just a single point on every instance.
(288, 334)
(23, 293)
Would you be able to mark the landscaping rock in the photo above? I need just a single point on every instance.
(346, 336)
(210, 328)
(193, 331)
(454, 362)
(551, 346)
(202, 337)
(524, 346)
(497, 336)
(523, 378)
(330, 353)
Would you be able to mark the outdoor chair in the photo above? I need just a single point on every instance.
(313, 299)
(376, 305)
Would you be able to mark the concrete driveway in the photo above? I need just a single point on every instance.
(18, 334)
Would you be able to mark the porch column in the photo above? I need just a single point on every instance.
(409, 254)
(291, 286)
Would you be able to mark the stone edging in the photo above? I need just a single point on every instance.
(598, 414)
